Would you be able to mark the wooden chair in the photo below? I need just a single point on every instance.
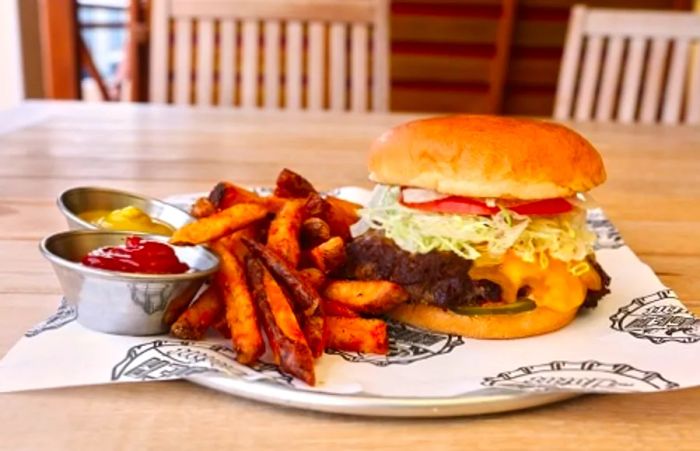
(630, 66)
(289, 37)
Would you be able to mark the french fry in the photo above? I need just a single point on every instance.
(202, 208)
(314, 231)
(315, 333)
(333, 308)
(287, 342)
(233, 241)
(357, 335)
(221, 326)
(314, 277)
(219, 224)
(194, 322)
(178, 305)
(329, 256)
(372, 297)
(283, 235)
(241, 314)
(226, 195)
(292, 185)
(315, 205)
(303, 293)
(340, 215)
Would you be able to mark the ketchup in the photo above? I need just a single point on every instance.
(137, 256)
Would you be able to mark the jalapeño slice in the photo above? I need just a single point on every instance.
(519, 306)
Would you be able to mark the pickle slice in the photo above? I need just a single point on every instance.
(519, 306)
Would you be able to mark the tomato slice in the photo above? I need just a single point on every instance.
(455, 204)
(470, 206)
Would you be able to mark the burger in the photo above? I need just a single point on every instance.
(482, 220)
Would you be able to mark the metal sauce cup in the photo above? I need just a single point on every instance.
(118, 302)
(82, 199)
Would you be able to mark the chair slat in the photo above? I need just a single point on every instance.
(380, 57)
(358, 80)
(589, 78)
(293, 67)
(315, 66)
(630, 84)
(227, 62)
(338, 63)
(205, 61)
(567, 73)
(249, 64)
(271, 87)
(611, 76)
(158, 77)
(671, 112)
(652, 82)
(183, 61)
(693, 108)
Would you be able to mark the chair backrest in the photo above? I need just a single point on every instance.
(271, 54)
(630, 66)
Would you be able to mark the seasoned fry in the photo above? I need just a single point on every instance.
(303, 293)
(372, 297)
(283, 235)
(202, 208)
(219, 224)
(314, 231)
(221, 326)
(315, 205)
(226, 195)
(241, 314)
(315, 333)
(314, 277)
(340, 215)
(286, 340)
(292, 185)
(233, 241)
(333, 308)
(178, 305)
(357, 335)
(194, 322)
(329, 256)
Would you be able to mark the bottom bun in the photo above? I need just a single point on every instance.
(517, 325)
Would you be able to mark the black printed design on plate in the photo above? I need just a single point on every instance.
(608, 237)
(407, 344)
(64, 315)
(172, 359)
(658, 317)
(588, 376)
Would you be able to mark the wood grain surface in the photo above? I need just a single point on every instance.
(652, 195)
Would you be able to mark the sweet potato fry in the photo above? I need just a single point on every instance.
(202, 208)
(195, 321)
(292, 185)
(304, 295)
(314, 231)
(233, 241)
(241, 314)
(287, 342)
(373, 297)
(357, 335)
(333, 308)
(226, 195)
(314, 277)
(283, 235)
(315, 333)
(329, 256)
(219, 224)
(340, 215)
(178, 305)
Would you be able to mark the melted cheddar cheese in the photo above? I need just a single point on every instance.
(553, 286)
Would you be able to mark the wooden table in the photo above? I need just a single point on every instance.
(653, 195)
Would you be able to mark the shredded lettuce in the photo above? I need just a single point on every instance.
(532, 238)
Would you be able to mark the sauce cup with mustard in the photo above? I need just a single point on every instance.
(108, 209)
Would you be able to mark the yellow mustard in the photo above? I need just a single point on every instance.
(130, 219)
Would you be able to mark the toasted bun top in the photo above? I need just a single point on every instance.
(487, 156)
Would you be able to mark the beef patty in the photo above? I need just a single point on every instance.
(438, 277)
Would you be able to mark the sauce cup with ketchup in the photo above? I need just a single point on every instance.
(127, 284)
